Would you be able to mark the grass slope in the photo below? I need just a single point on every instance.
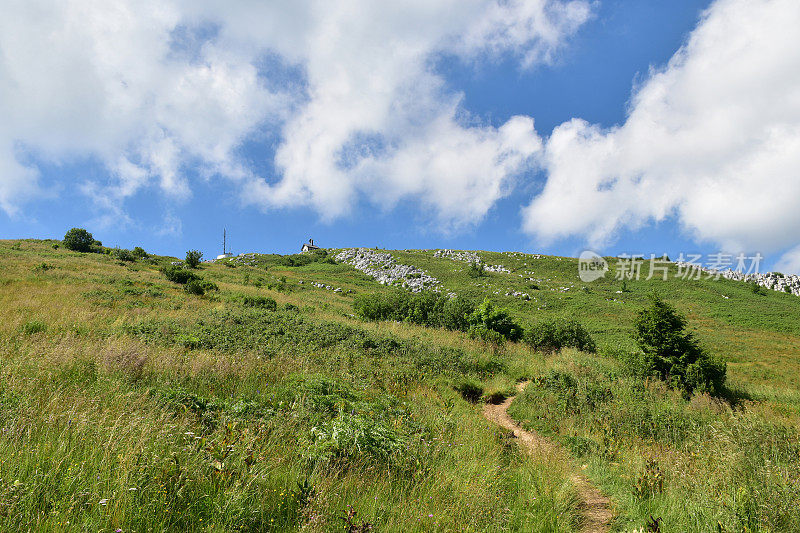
(127, 403)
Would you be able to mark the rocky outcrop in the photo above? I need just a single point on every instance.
(470, 257)
(248, 259)
(385, 270)
(770, 280)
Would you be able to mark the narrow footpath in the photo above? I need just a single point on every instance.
(595, 507)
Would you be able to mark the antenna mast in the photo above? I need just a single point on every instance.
(224, 237)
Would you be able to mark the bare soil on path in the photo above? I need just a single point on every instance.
(595, 507)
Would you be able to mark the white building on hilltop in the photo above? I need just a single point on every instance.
(309, 246)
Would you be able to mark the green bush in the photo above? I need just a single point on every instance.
(673, 354)
(421, 308)
(424, 308)
(178, 274)
(350, 437)
(306, 258)
(195, 287)
(139, 252)
(755, 288)
(455, 313)
(489, 317)
(476, 270)
(262, 302)
(552, 336)
(437, 310)
(78, 240)
(484, 334)
(193, 258)
(122, 254)
(200, 287)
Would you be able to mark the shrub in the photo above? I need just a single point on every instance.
(78, 240)
(139, 252)
(193, 258)
(489, 317)
(673, 354)
(424, 308)
(455, 313)
(435, 310)
(354, 437)
(486, 335)
(42, 267)
(543, 337)
(200, 287)
(476, 270)
(261, 302)
(574, 335)
(124, 255)
(179, 275)
(306, 258)
(755, 288)
(195, 287)
(381, 306)
(552, 336)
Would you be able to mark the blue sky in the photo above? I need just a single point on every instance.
(539, 126)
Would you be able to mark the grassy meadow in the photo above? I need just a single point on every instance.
(128, 404)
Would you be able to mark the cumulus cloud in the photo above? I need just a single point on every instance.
(789, 263)
(152, 88)
(713, 139)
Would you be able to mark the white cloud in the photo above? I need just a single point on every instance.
(151, 87)
(789, 262)
(713, 138)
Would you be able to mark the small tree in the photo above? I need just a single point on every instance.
(476, 270)
(193, 258)
(672, 353)
(140, 253)
(489, 317)
(124, 255)
(755, 288)
(176, 274)
(78, 240)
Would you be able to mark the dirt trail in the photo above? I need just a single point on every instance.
(595, 507)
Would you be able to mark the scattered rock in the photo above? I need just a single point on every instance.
(470, 257)
(385, 270)
(770, 280)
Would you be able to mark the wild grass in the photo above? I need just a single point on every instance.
(127, 403)
(699, 465)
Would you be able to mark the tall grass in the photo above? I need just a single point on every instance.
(132, 405)
(127, 403)
(699, 465)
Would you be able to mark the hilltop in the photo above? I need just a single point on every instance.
(264, 402)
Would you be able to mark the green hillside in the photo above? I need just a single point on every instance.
(267, 404)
